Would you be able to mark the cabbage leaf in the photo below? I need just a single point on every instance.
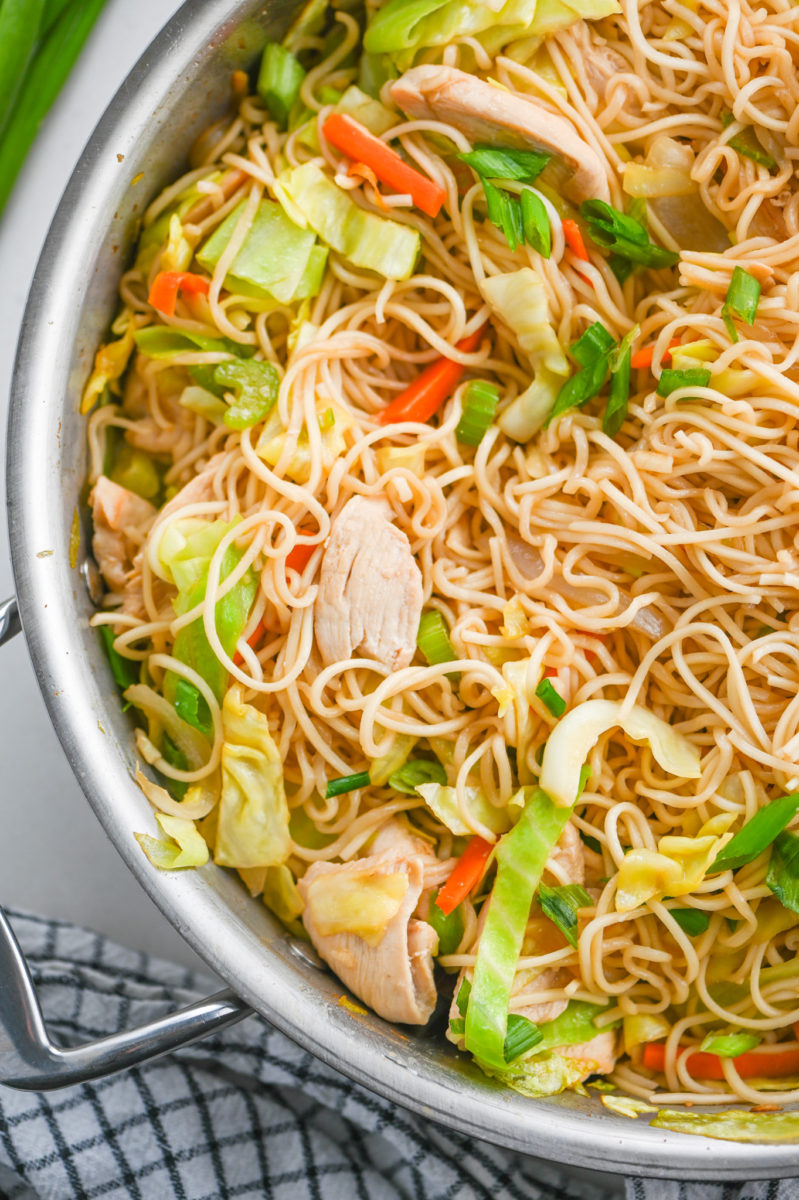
(253, 829)
(733, 1125)
(183, 846)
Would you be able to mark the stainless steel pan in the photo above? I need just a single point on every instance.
(180, 85)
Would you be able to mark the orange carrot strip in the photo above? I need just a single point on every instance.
(643, 357)
(252, 640)
(574, 239)
(431, 388)
(765, 1062)
(467, 873)
(167, 284)
(352, 139)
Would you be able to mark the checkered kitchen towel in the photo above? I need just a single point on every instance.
(242, 1114)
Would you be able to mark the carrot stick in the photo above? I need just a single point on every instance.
(766, 1062)
(643, 357)
(574, 239)
(252, 640)
(431, 388)
(467, 873)
(167, 284)
(350, 137)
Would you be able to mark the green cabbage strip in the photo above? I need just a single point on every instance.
(521, 857)
(191, 645)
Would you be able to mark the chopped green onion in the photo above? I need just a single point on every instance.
(462, 1000)
(743, 297)
(20, 29)
(591, 842)
(560, 904)
(503, 163)
(457, 1026)
(593, 345)
(616, 411)
(551, 697)
(124, 670)
(408, 777)
(729, 1045)
(191, 705)
(480, 400)
(746, 144)
(581, 388)
(449, 928)
(433, 638)
(522, 1035)
(176, 758)
(326, 420)
(535, 222)
(691, 920)
(783, 871)
(279, 81)
(585, 775)
(624, 236)
(671, 380)
(505, 212)
(346, 783)
(757, 834)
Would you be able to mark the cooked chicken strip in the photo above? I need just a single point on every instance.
(121, 522)
(568, 857)
(486, 113)
(394, 977)
(370, 588)
(599, 1054)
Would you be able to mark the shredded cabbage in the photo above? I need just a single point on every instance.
(676, 868)
(519, 299)
(577, 732)
(732, 1126)
(273, 258)
(253, 829)
(479, 815)
(182, 847)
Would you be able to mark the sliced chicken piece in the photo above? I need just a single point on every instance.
(568, 857)
(172, 440)
(548, 980)
(370, 589)
(486, 113)
(599, 1054)
(395, 976)
(395, 837)
(121, 523)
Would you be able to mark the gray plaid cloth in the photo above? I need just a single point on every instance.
(242, 1114)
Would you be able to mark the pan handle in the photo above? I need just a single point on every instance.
(28, 1057)
(31, 1061)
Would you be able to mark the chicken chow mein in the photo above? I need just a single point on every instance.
(444, 469)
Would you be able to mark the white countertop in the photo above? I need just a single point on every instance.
(54, 856)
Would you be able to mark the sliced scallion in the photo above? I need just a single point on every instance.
(522, 1035)
(480, 400)
(757, 834)
(561, 905)
(433, 638)
(547, 693)
(346, 783)
(499, 162)
(743, 297)
(616, 411)
(672, 380)
(535, 221)
(408, 777)
(729, 1045)
(624, 236)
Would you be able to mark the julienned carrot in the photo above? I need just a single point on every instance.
(467, 874)
(643, 357)
(765, 1062)
(432, 387)
(299, 556)
(252, 641)
(574, 239)
(352, 139)
(167, 284)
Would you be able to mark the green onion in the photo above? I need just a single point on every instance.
(624, 236)
(585, 775)
(581, 388)
(560, 904)
(480, 400)
(346, 783)
(491, 162)
(20, 22)
(176, 758)
(279, 81)
(124, 670)
(462, 1000)
(746, 144)
(191, 705)
(457, 1026)
(729, 1045)
(616, 411)
(449, 928)
(783, 871)
(757, 834)
(671, 380)
(522, 1035)
(505, 212)
(743, 297)
(691, 920)
(49, 69)
(535, 222)
(591, 842)
(407, 778)
(552, 698)
(593, 345)
(433, 638)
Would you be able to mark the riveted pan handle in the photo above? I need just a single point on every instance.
(30, 1059)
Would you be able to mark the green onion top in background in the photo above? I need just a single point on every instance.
(39, 43)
